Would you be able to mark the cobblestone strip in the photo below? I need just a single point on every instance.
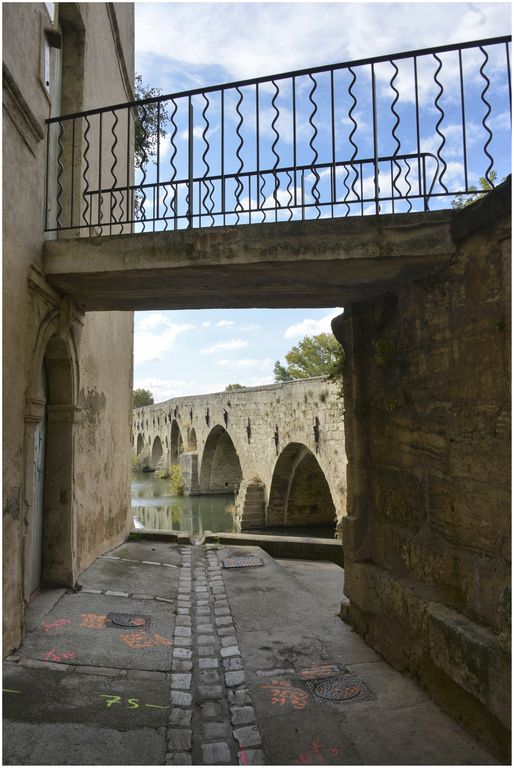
(239, 724)
(179, 735)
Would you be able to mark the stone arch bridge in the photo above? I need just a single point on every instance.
(279, 448)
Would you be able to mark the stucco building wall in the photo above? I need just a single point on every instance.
(88, 358)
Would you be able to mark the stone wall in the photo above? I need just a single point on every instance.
(270, 429)
(427, 536)
(86, 360)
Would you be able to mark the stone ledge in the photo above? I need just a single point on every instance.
(472, 656)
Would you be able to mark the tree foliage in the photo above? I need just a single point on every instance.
(462, 201)
(233, 387)
(142, 397)
(150, 124)
(320, 355)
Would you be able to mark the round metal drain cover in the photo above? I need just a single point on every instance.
(128, 620)
(337, 689)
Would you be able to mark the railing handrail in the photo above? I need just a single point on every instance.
(284, 75)
(261, 171)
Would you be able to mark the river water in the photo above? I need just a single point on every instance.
(154, 507)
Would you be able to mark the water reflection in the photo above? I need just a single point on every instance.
(154, 507)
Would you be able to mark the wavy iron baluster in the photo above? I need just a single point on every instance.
(240, 186)
(260, 191)
(350, 137)
(315, 190)
(114, 198)
(59, 175)
(173, 193)
(345, 180)
(144, 135)
(393, 131)
(208, 194)
(441, 112)
(489, 179)
(85, 195)
(275, 166)
(290, 201)
(409, 185)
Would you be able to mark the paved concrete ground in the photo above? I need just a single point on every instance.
(216, 666)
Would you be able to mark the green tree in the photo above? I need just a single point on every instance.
(320, 355)
(233, 387)
(150, 123)
(142, 397)
(462, 201)
(151, 120)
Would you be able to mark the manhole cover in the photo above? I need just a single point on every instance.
(339, 688)
(131, 620)
(246, 561)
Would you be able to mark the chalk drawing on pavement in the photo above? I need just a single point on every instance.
(282, 692)
(318, 754)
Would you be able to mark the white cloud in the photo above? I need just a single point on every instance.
(225, 345)
(154, 336)
(152, 321)
(279, 37)
(197, 133)
(311, 327)
(224, 323)
(248, 362)
(250, 327)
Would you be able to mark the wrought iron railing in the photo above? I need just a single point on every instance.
(390, 134)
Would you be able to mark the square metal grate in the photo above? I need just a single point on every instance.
(245, 561)
(339, 688)
(128, 620)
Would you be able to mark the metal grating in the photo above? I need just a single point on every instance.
(245, 561)
(128, 620)
(339, 688)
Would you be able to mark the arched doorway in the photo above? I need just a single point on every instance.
(140, 443)
(50, 420)
(299, 493)
(220, 470)
(156, 452)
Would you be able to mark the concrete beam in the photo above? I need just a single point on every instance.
(284, 264)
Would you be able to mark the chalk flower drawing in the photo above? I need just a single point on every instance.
(142, 640)
(93, 620)
(282, 691)
(53, 656)
(47, 626)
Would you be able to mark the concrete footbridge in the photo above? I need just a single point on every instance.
(279, 448)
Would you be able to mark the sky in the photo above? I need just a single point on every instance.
(181, 46)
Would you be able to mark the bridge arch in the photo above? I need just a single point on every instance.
(140, 443)
(220, 470)
(176, 443)
(299, 492)
(156, 452)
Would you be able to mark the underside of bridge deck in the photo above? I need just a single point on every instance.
(285, 264)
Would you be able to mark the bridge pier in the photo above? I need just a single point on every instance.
(189, 467)
(251, 505)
